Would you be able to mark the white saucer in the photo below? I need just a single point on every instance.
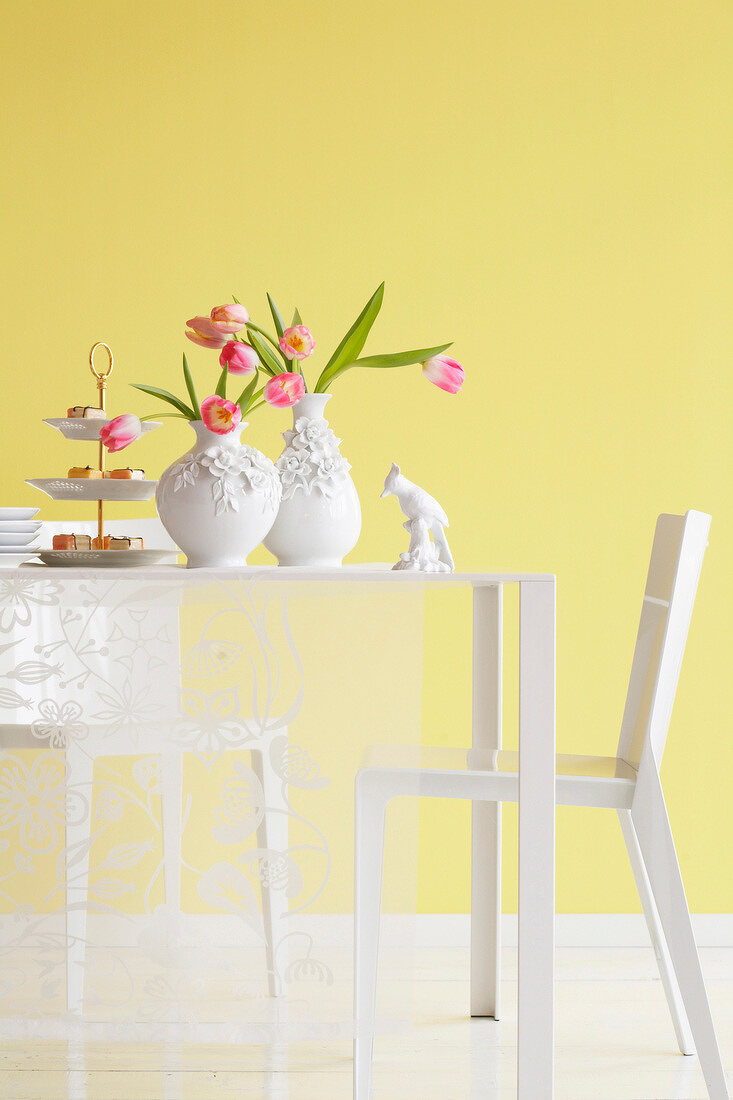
(24, 526)
(11, 561)
(17, 538)
(18, 513)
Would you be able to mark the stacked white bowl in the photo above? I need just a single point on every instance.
(19, 535)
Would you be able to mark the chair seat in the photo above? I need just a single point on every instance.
(581, 780)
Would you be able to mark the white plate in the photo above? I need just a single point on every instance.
(85, 488)
(10, 561)
(77, 427)
(18, 513)
(23, 526)
(17, 538)
(106, 558)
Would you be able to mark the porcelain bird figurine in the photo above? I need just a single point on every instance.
(424, 517)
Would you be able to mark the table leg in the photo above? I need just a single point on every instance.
(486, 816)
(272, 835)
(171, 786)
(536, 840)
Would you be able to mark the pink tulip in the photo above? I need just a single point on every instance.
(444, 373)
(284, 390)
(121, 431)
(239, 358)
(219, 415)
(230, 318)
(202, 331)
(297, 342)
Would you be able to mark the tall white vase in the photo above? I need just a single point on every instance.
(219, 500)
(319, 520)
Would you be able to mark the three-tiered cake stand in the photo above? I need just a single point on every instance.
(96, 489)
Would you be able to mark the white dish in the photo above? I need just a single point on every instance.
(17, 538)
(28, 526)
(11, 561)
(79, 428)
(117, 559)
(18, 513)
(84, 488)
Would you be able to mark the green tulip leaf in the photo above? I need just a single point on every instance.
(279, 325)
(164, 395)
(221, 385)
(297, 319)
(191, 388)
(348, 350)
(246, 396)
(271, 362)
(397, 359)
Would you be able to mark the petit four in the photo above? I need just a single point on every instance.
(84, 471)
(134, 475)
(72, 542)
(86, 412)
(117, 542)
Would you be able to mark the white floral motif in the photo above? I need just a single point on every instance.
(233, 471)
(60, 723)
(311, 459)
(276, 870)
(36, 799)
(16, 596)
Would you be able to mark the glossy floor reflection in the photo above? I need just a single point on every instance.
(614, 1042)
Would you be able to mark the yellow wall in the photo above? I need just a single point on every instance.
(546, 183)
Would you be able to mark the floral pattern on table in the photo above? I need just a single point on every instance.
(94, 674)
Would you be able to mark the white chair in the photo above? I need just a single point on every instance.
(628, 782)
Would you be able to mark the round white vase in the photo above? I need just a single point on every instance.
(219, 500)
(319, 520)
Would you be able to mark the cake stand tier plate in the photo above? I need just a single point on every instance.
(117, 559)
(76, 427)
(83, 488)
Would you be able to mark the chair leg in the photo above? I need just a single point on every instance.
(369, 813)
(656, 934)
(272, 833)
(80, 771)
(649, 817)
(486, 816)
(485, 908)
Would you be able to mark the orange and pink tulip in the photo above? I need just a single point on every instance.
(219, 415)
(444, 372)
(203, 332)
(284, 390)
(239, 358)
(121, 432)
(229, 318)
(297, 342)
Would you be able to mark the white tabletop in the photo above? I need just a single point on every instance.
(367, 572)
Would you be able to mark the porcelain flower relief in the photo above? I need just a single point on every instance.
(233, 473)
(311, 459)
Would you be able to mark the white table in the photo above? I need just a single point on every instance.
(536, 747)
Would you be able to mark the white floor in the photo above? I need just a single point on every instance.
(614, 1041)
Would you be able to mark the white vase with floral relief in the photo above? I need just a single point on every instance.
(219, 500)
(319, 520)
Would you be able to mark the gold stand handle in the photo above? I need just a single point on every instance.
(101, 377)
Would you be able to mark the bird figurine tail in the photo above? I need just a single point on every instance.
(441, 543)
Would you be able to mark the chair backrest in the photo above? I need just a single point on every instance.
(150, 528)
(669, 596)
